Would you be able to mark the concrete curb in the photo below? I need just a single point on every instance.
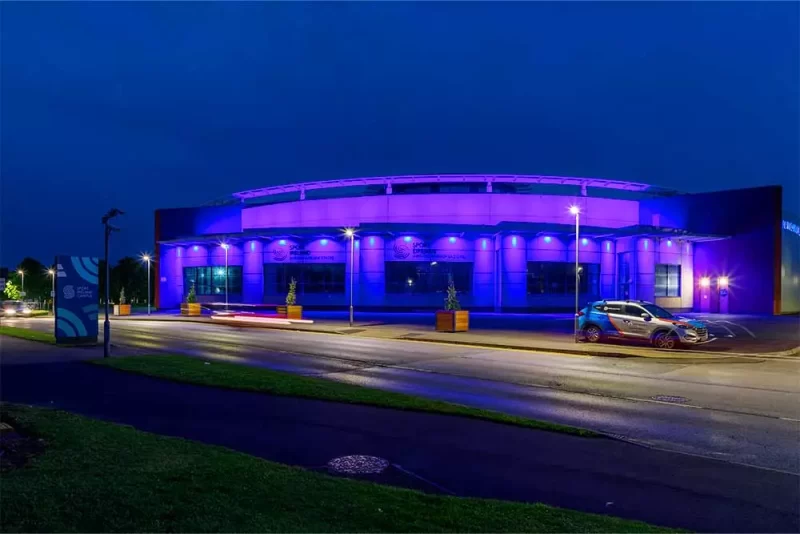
(581, 349)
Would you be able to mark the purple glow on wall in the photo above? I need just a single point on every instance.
(179, 252)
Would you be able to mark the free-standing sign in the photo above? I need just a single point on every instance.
(76, 299)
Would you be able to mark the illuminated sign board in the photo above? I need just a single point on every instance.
(76, 299)
(792, 227)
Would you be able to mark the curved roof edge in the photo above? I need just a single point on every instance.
(488, 179)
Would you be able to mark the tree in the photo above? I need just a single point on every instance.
(191, 297)
(37, 281)
(130, 274)
(451, 302)
(291, 296)
(11, 291)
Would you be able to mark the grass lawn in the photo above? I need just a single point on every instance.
(27, 333)
(101, 477)
(241, 377)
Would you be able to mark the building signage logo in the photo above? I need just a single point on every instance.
(76, 299)
(792, 227)
(421, 251)
(298, 254)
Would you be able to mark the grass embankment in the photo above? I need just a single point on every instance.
(101, 477)
(27, 333)
(241, 377)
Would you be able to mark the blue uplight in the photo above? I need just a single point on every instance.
(608, 246)
(371, 241)
(547, 239)
(452, 239)
(669, 242)
(179, 252)
(252, 245)
(483, 244)
(646, 242)
(584, 241)
(282, 242)
(323, 242)
(514, 241)
(358, 243)
(407, 238)
(195, 248)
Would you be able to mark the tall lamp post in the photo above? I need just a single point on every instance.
(21, 273)
(146, 258)
(225, 247)
(576, 211)
(349, 232)
(106, 324)
(52, 273)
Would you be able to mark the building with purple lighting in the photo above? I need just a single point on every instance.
(507, 241)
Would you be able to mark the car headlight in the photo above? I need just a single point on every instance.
(11, 312)
(26, 312)
(686, 326)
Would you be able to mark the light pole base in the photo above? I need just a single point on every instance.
(106, 339)
(351, 315)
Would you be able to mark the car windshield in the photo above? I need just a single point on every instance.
(657, 311)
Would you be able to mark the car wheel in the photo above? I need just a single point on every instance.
(666, 340)
(592, 333)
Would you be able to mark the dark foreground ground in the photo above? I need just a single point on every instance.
(435, 453)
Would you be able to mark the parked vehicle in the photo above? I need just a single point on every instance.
(13, 308)
(639, 320)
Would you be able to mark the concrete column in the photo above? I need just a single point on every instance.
(514, 275)
(253, 272)
(372, 280)
(608, 269)
(645, 269)
(170, 272)
(483, 275)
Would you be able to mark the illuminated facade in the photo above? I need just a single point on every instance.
(508, 242)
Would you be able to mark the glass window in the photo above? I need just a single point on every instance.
(211, 280)
(668, 280)
(409, 277)
(633, 311)
(558, 278)
(310, 277)
(657, 311)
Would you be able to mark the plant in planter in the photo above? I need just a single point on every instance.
(191, 306)
(123, 308)
(291, 310)
(452, 318)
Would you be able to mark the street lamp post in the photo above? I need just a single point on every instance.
(146, 258)
(106, 324)
(52, 273)
(21, 273)
(576, 211)
(349, 232)
(225, 247)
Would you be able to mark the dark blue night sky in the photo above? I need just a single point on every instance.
(149, 105)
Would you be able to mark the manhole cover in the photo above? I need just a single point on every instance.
(358, 464)
(670, 398)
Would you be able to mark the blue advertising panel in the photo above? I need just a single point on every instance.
(76, 299)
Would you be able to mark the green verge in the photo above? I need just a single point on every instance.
(96, 476)
(246, 378)
(27, 333)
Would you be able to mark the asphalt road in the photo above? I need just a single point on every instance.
(435, 453)
(743, 410)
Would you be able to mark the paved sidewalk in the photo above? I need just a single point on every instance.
(430, 452)
(556, 341)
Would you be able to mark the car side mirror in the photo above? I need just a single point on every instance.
(646, 317)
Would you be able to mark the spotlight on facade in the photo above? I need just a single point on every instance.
(705, 282)
(574, 210)
(348, 232)
(225, 246)
(722, 281)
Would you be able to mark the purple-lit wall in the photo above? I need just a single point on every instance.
(790, 266)
(476, 208)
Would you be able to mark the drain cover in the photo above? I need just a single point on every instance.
(358, 464)
(670, 398)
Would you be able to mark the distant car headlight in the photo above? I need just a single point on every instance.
(10, 312)
(26, 311)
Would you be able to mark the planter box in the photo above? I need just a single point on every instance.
(452, 321)
(291, 312)
(191, 308)
(122, 309)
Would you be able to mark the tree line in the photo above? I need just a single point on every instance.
(129, 274)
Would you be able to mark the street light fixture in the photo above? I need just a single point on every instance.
(114, 212)
(576, 211)
(146, 258)
(52, 273)
(225, 247)
(349, 232)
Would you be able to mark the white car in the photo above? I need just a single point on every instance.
(15, 308)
